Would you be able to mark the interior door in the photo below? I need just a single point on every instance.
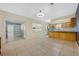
(10, 32)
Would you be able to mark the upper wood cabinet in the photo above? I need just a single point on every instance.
(66, 25)
(52, 25)
(73, 20)
(70, 24)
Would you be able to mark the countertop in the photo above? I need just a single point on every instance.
(63, 31)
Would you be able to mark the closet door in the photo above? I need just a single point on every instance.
(10, 32)
(17, 31)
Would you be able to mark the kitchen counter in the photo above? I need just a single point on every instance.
(63, 35)
(63, 31)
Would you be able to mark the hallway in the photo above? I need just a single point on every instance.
(41, 46)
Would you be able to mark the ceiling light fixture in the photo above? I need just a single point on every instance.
(51, 3)
(40, 14)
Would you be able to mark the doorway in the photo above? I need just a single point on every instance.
(14, 31)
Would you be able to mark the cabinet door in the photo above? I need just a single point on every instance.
(62, 35)
(66, 25)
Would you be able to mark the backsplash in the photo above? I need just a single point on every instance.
(63, 29)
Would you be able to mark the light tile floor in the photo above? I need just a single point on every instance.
(42, 46)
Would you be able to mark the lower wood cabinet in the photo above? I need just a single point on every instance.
(69, 36)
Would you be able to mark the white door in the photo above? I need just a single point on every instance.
(10, 32)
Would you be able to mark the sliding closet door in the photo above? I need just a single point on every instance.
(10, 32)
(17, 31)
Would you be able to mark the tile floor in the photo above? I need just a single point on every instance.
(42, 46)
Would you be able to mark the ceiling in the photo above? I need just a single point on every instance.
(31, 9)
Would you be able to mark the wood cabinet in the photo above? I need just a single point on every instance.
(73, 22)
(63, 34)
(69, 36)
(70, 24)
(52, 25)
(66, 25)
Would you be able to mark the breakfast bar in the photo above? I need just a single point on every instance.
(62, 35)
